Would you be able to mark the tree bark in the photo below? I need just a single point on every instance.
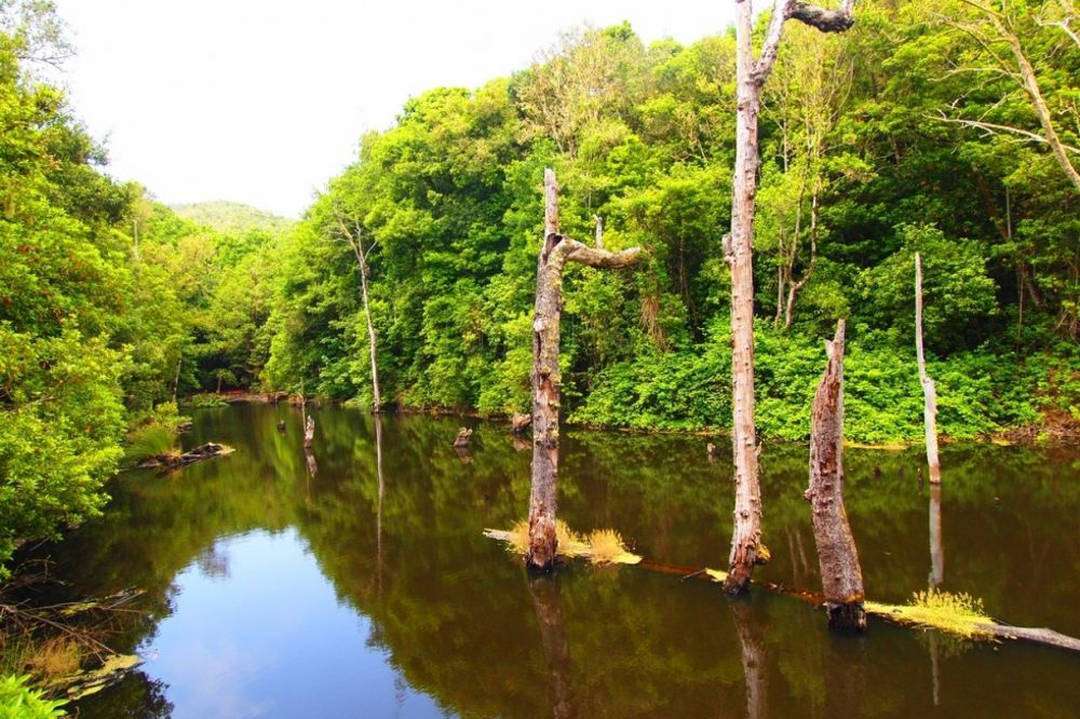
(841, 575)
(746, 534)
(746, 546)
(556, 250)
(929, 393)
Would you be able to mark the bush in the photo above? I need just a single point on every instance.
(18, 701)
(154, 433)
(979, 392)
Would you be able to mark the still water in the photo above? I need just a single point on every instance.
(357, 583)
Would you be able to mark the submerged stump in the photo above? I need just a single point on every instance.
(841, 575)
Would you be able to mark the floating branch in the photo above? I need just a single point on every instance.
(955, 614)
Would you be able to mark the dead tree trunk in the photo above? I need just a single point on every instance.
(751, 74)
(357, 244)
(555, 252)
(929, 393)
(841, 575)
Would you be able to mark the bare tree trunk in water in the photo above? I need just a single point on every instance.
(929, 393)
(752, 641)
(841, 575)
(746, 546)
(937, 551)
(555, 252)
(548, 607)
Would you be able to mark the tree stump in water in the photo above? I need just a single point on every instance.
(841, 575)
(309, 431)
(464, 436)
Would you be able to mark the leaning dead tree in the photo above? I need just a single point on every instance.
(929, 392)
(356, 242)
(555, 252)
(841, 575)
(746, 547)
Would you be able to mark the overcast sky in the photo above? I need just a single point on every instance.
(262, 101)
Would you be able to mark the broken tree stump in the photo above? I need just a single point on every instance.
(841, 575)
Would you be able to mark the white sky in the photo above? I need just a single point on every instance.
(263, 101)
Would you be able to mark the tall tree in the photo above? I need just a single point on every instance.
(751, 74)
(555, 251)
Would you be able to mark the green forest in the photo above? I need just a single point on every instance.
(916, 131)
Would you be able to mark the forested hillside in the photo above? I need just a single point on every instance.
(231, 217)
(918, 130)
(915, 131)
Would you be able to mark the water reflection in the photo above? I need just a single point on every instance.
(366, 588)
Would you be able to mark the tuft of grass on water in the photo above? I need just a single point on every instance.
(603, 546)
(959, 614)
(606, 547)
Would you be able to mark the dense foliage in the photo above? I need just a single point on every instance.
(905, 135)
(110, 305)
(909, 133)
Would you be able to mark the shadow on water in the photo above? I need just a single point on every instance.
(354, 580)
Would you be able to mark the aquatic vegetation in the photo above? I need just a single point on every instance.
(603, 546)
(716, 575)
(606, 547)
(959, 614)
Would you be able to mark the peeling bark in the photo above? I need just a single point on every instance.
(841, 575)
(746, 546)
(929, 392)
(555, 252)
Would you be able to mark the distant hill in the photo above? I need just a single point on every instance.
(231, 217)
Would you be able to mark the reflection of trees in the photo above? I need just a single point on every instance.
(136, 696)
(394, 520)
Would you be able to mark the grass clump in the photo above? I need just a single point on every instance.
(959, 614)
(606, 547)
(603, 546)
(19, 701)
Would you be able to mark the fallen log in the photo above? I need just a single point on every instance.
(903, 615)
(174, 459)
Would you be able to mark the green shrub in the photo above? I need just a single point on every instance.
(154, 433)
(18, 701)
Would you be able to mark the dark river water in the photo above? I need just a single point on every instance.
(275, 588)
